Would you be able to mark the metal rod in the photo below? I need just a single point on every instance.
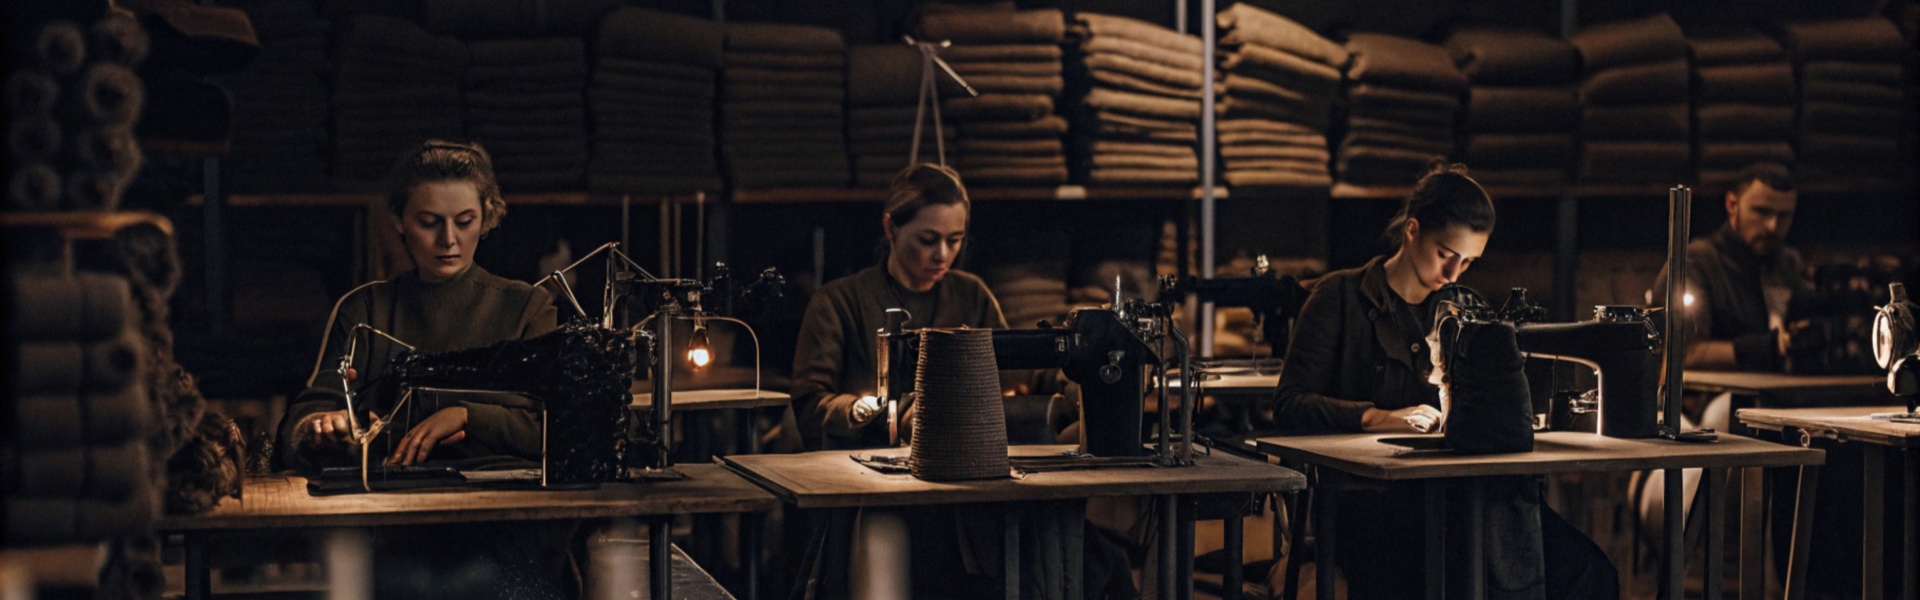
(1796, 578)
(662, 376)
(1673, 562)
(1753, 532)
(1873, 515)
(660, 556)
(1715, 492)
(1183, 552)
(1679, 199)
(1234, 539)
(1326, 514)
(1207, 145)
(1169, 546)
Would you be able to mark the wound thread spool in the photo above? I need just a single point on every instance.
(960, 432)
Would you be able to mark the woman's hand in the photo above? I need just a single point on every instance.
(1419, 418)
(447, 426)
(325, 429)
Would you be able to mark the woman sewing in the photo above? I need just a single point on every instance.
(1358, 362)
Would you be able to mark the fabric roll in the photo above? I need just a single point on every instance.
(1759, 83)
(1243, 24)
(34, 186)
(985, 52)
(1402, 62)
(1516, 109)
(1643, 83)
(660, 37)
(83, 307)
(1737, 155)
(1635, 162)
(110, 93)
(1635, 122)
(1503, 57)
(783, 38)
(1745, 46)
(887, 74)
(1656, 38)
(1507, 150)
(1871, 39)
(1745, 121)
(31, 93)
(1046, 26)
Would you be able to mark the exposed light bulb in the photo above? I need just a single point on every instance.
(1687, 299)
(698, 352)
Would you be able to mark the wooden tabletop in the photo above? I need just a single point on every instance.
(831, 479)
(716, 399)
(1849, 423)
(1223, 383)
(1793, 391)
(283, 502)
(1365, 455)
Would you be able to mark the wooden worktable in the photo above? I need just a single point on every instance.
(1845, 423)
(726, 399)
(1365, 455)
(1778, 390)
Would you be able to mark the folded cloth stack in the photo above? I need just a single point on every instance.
(1634, 102)
(1854, 113)
(783, 106)
(280, 103)
(1010, 134)
(1402, 99)
(651, 103)
(397, 86)
(883, 95)
(1140, 85)
(514, 18)
(74, 467)
(1280, 80)
(1522, 113)
(1743, 108)
(525, 101)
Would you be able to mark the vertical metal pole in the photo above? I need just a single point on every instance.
(750, 529)
(1714, 494)
(1207, 133)
(1873, 514)
(1010, 553)
(660, 556)
(213, 237)
(1803, 506)
(1169, 546)
(1566, 239)
(1910, 553)
(1234, 534)
(1183, 557)
(1753, 533)
(1673, 561)
(1326, 513)
(1679, 200)
(1476, 535)
(1436, 531)
(663, 354)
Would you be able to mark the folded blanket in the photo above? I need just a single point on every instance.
(1315, 95)
(1758, 83)
(1381, 138)
(1051, 85)
(1873, 149)
(796, 109)
(484, 100)
(1364, 96)
(1745, 122)
(774, 91)
(1655, 38)
(1642, 83)
(549, 76)
(1635, 122)
(643, 68)
(1864, 94)
(886, 115)
(1871, 39)
(891, 148)
(1243, 24)
(1397, 61)
(783, 39)
(1437, 120)
(1010, 147)
(499, 18)
(1146, 176)
(1635, 162)
(610, 85)
(1264, 151)
(1016, 175)
(997, 107)
(1143, 105)
(1884, 73)
(660, 37)
(1029, 52)
(831, 79)
(1305, 177)
(767, 60)
(1242, 107)
(1304, 139)
(972, 69)
(1737, 155)
(1287, 65)
(1510, 150)
(537, 51)
(68, 367)
(1266, 126)
(1050, 126)
(1133, 83)
(1742, 46)
(1047, 26)
(1494, 109)
(972, 160)
(1503, 57)
(1139, 32)
(1116, 147)
(1177, 59)
(1157, 73)
(1835, 117)
(882, 74)
(92, 419)
(1119, 121)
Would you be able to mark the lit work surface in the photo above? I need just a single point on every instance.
(1364, 455)
(1854, 424)
(1777, 390)
(830, 479)
(283, 503)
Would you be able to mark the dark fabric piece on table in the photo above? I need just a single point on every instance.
(1502, 57)
(1871, 39)
(660, 37)
(1245, 24)
(1655, 38)
(1642, 83)
(1744, 121)
(1760, 83)
(1635, 162)
(1046, 26)
(1493, 109)
(1403, 62)
(1635, 122)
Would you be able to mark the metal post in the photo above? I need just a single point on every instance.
(1753, 533)
(1169, 545)
(1873, 514)
(1476, 538)
(199, 581)
(660, 556)
(750, 524)
(1713, 496)
(1436, 532)
(662, 376)
(1183, 563)
(1673, 561)
(1207, 145)
(1326, 512)
(1910, 554)
(1679, 201)
(1234, 539)
(1802, 532)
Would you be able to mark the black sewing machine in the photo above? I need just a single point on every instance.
(1274, 299)
(1896, 348)
(1621, 345)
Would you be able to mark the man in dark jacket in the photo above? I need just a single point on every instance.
(1741, 279)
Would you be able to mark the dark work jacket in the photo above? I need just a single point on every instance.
(1730, 280)
(1357, 345)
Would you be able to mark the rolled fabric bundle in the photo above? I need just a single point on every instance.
(81, 307)
(1635, 122)
(1244, 24)
(118, 38)
(1746, 122)
(110, 94)
(60, 47)
(660, 37)
(1871, 39)
(108, 150)
(34, 187)
(1397, 61)
(30, 93)
(1655, 38)
(1493, 109)
(1043, 26)
(1503, 57)
(1763, 83)
(92, 190)
(34, 138)
(1641, 83)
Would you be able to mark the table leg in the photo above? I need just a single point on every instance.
(1436, 532)
(750, 547)
(1796, 583)
(1073, 517)
(1169, 543)
(1910, 574)
(747, 438)
(1873, 513)
(1673, 572)
(1753, 538)
(1010, 549)
(1183, 565)
(1233, 532)
(199, 579)
(1326, 507)
(1476, 539)
(1297, 505)
(1713, 497)
(349, 564)
(660, 557)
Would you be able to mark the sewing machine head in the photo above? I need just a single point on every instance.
(1621, 345)
(1896, 345)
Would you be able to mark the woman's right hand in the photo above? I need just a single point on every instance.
(327, 428)
(1405, 420)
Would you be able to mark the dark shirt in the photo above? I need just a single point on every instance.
(471, 310)
(833, 363)
(1732, 281)
(1356, 345)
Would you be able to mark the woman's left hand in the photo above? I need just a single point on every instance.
(447, 426)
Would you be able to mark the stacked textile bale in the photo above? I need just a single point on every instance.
(783, 106)
(1634, 102)
(280, 107)
(71, 116)
(514, 18)
(525, 101)
(1140, 86)
(1008, 134)
(651, 100)
(1743, 103)
(75, 466)
(1402, 99)
(1853, 99)
(1522, 112)
(397, 86)
(883, 94)
(1280, 79)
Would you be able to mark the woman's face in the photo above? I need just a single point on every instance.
(1440, 255)
(924, 248)
(441, 226)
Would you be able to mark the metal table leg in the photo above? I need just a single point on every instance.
(1326, 506)
(1183, 563)
(660, 557)
(750, 542)
(1802, 530)
(199, 579)
(1713, 496)
(1298, 503)
(1673, 571)
(1753, 537)
(1910, 577)
(1169, 545)
(1234, 536)
(1436, 532)
(1010, 540)
(1476, 539)
(1873, 514)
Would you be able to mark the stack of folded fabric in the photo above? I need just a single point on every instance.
(783, 106)
(883, 94)
(1522, 112)
(1009, 134)
(1403, 97)
(1280, 80)
(74, 467)
(1138, 121)
(526, 103)
(514, 18)
(280, 103)
(1853, 99)
(651, 100)
(1743, 89)
(397, 86)
(1634, 102)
